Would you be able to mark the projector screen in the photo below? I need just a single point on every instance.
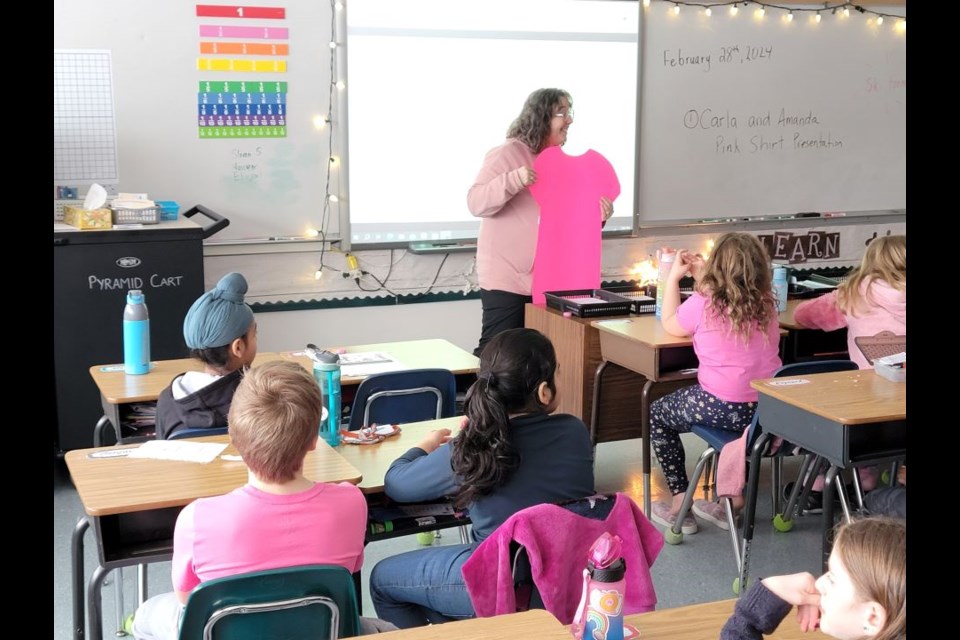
(433, 85)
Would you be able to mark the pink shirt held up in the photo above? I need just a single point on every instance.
(510, 216)
(728, 362)
(251, 530)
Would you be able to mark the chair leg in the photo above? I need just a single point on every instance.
(776, 482)
(464, 534)
(857, 488)
(674, 535)
(734, 536)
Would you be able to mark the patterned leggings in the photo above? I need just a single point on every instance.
(675, 413)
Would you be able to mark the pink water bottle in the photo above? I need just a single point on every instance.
(600, 612)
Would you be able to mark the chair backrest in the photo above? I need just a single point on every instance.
(312, 601)
(528, 596)
(404, 396)
(799, 369)
(196, 433)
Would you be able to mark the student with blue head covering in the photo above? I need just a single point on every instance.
(222, 333)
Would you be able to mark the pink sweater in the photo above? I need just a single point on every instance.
(508, 232)
(884, 309)
(557, 543)
(251, 530)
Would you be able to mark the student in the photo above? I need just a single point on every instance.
(279, 518)
(510, 216)
(732, 316)
(863, 595)
(872, 299)
(221, 333)
(510, 454)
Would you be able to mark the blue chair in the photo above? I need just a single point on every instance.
(312, 601)
(197, 433)
(404, 396)
(717, 438)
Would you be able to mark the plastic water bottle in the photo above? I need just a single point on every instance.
(780, 287)
(136, 334)
(326, 369)
(600, 614)
(665, 258)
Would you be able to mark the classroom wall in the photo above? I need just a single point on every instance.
(459, 321)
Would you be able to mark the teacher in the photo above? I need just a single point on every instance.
(510, 216)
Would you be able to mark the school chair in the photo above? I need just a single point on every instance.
(404, 396)
(716, 439)
(312, 601)
(197, 433)
(536, 558)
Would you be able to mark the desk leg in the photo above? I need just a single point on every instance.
(595, 409)
(645, 442)
(76, 556)
(750, 508)
(93, 602)
(98, 430)
(827, 522)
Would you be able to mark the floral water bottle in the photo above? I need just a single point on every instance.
(665, 258)
(600, 613)
(136, 334)
(326, 369)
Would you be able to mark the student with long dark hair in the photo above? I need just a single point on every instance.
(510, 454)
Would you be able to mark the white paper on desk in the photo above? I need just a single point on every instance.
(367, 363)
(181, 450)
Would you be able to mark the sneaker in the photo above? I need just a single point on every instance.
(660, 513)
(713, 512)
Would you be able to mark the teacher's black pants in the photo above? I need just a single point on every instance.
(502, 310)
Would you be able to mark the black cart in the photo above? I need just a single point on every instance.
(93, 270)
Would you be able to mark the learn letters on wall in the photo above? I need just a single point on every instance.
(801, 247)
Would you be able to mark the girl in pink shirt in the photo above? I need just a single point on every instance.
(732, 317)
(872, 299)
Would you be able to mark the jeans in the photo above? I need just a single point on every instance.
(421, 587)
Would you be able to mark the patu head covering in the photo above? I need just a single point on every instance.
(220, 316)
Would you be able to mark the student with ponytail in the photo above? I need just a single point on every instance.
(510, 454)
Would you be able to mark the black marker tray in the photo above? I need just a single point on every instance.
(638, 297)
(584, 303)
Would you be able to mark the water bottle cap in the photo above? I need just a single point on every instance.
(613, 573)
(780, 273)
(134, 296)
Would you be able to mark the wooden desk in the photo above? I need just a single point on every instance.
(850, 418)
(704, 622)
(118, 389)
(536, 623)
(665, 362)
(133, 504)
(373, 460)
(810, 344)
(577, 343)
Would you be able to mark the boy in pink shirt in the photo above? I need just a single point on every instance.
(279, 518)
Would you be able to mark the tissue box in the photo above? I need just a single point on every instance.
(169, 209)
(891, 372)
(87, 219)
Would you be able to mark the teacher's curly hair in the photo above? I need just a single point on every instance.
(532, 126)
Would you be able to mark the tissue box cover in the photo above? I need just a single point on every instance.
(87, 219)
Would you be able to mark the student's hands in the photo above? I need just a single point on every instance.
(527, 176)
(798, 589)
(686, 262)
(434, 439)
(606, 208)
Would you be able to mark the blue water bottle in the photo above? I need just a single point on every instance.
(780, 287)
(326, 369)
(136, 335)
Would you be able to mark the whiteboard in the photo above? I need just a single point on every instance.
(266, 187)
(747, 117)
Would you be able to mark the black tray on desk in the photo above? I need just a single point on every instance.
(588, 303)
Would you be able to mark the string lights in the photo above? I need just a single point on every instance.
(839, 9)
(326, 123)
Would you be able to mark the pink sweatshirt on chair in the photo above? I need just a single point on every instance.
(557, 543)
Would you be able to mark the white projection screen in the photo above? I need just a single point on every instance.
(432, 85)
